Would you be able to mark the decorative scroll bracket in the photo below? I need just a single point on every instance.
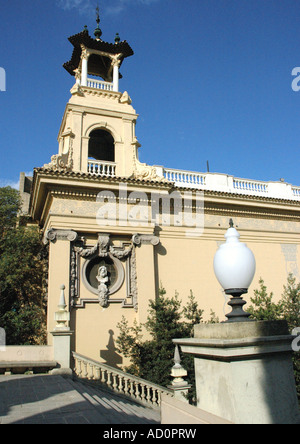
(145, 239)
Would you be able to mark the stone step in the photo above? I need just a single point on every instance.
(49, 399)
(119, 404)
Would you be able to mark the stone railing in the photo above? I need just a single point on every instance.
(185, 178)
(138, 389)
(229, 184)
(101, 168)
(98, 84)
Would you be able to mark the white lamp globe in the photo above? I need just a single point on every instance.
(234, 263)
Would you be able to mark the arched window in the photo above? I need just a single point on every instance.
(101, 146)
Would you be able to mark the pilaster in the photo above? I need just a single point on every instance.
(59, 270)
(146, 272)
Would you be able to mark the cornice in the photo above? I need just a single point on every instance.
(242, 197)
(84, 186)
(93, 179)
(119, 110)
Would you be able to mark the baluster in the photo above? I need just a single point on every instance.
(159, 397)
(103, 376)
(91, 374)
(154, 400)
(149, 394)
(109, 378)
(75, 365)
(126, 388)
(97, 376)
(131, 389)
(120, 387)
(86, 373)
(80, 368)
(143, 392)
(115, 385)
(137, 391)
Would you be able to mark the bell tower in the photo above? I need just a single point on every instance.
(97, 133)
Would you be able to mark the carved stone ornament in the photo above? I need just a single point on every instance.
(53, 235)
(126, 98)
(146, 172)
(142, 171)
(62, 162)
(76, 90)
(139, 239)
(102, 246)
(133, 281)
(113, 254)
(115, 59)
(103, 291)
(84, 53)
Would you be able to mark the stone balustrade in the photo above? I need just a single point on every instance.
(138, 389)
(98, 84)
(101, 168)
(229, 184)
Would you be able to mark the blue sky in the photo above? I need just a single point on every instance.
(210, 79)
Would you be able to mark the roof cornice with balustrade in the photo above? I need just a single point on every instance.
(230, 184)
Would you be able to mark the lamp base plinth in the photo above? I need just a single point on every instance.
(237, 303)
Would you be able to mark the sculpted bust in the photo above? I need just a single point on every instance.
(103, 279)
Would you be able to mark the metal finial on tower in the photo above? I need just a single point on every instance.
(98, 15)
(98, 32)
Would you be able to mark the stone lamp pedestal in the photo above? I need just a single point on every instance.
(244, 371)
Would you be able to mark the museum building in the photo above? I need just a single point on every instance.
(117, 229)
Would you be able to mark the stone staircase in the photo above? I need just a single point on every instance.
(49, 399)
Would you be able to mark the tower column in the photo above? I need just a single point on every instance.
(116, 78)
(84, 65)
(84, 72)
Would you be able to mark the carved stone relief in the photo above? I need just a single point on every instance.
(63, 162)
(103, 291)
(112, 256)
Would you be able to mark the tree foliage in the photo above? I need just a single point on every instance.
(153, 359)
(22, 314)
(264, 308)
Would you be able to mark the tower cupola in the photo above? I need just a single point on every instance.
(95, 57)
(97, 133)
